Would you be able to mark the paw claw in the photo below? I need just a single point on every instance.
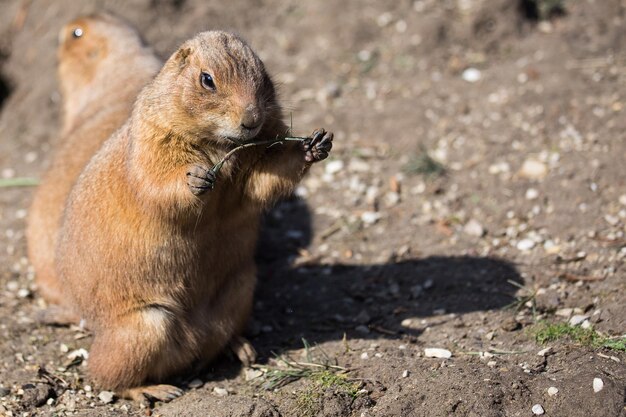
(200, 179)
(244, 350)
(317, 146)
(160, 392)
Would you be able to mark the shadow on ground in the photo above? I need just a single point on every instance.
(323, 302)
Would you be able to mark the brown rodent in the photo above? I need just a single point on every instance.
(157, 253)
(103, 64)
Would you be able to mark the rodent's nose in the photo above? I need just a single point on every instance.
(251, 118)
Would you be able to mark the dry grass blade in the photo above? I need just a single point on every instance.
(18, 182)
(292, 370)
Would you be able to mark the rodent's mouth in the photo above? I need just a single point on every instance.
(236, 141)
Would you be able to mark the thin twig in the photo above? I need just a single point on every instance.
(241, 145)
(574, 277)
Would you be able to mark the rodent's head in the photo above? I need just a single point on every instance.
(225, 92)
(88, 44)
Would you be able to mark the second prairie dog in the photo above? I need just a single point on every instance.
(103, 64)
(157, 253)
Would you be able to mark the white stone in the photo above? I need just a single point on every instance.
(106, 397)
(359, 165)
(525, 244)
(538, 409)
(598, 384)
(473, 228)
(499, 168)
(471, 75)
(533, 170)
(405, 373)
(370, 217)
(220, 392)
(333, 167)
(384, 19)
(544, 352)
(552, 391)
(364, 356)
(577, 319)
(622, 199)
(437, 353)
(532, 194)
(23, 292)
(564, 312)
(78, 353)
(253, 374)
(392, 198)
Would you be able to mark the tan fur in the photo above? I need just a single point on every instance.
(165, 277)
(100, 74)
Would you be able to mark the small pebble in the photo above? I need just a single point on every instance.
(538, 410)
(252, 374)
(471, 75)
(577, 319)
(4, 392)
(552, 391)
(474, 228)
(532, 194)
(362, 329)
(364, 355)
(10, 173)
(370, 217)
(525, 244)
(437, 353)
(533, 170)
(23, 293)
(78, 353)
(220, 392)
(106, 397)
(333, 167)
(405, 374)
(196, 383)
(598, 384)
(544, 352)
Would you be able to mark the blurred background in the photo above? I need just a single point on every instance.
(476, 193)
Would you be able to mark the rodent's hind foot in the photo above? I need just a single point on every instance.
(200, 179)
(243, 349)
(317, 146)
(152, 393)
(56, 315)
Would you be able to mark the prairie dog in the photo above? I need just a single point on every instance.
(102, 66)
(157, 253)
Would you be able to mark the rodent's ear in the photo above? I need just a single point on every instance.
(182, 56)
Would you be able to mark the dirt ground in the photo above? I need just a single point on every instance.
(475, 201)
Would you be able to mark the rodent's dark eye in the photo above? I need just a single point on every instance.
(207, 81)
(77, 32)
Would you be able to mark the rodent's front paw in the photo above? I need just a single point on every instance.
(200, 179)
(317, 146)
